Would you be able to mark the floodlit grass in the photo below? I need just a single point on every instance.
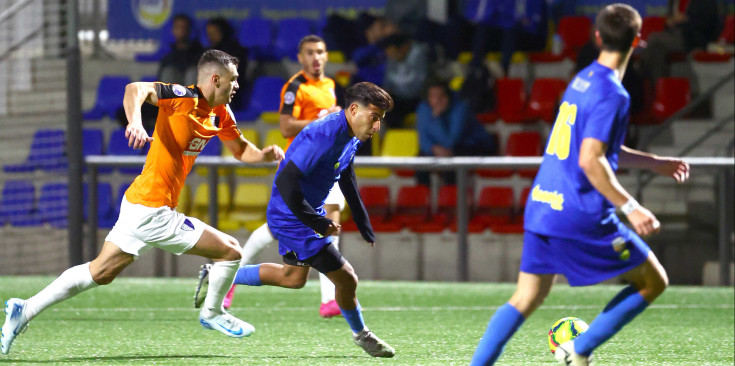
(152, 321)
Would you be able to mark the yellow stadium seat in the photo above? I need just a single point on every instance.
(184, 200)
(253, 136)
(373, 172)
(464, 57)
(200, 202)
(271, 117)
(456, 83)
(274, 137)
(400, 142)
(410, 120)
(249, 205)
(336, 57)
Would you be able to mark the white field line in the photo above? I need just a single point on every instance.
(396, 308)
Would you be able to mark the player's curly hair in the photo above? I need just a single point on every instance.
(218, 58)
(366, 93)
(618, 25)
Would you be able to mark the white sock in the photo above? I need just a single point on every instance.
(326, 284)
(72, 282)
(259, 239)
(221, 276)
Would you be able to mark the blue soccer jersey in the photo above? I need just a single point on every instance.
(321, 151)
(563, 203)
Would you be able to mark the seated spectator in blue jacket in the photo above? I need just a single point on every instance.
(180, 64)
(447, 128)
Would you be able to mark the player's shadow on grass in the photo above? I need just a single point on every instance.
(108, 359)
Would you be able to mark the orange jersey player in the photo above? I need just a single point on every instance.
(188, 117)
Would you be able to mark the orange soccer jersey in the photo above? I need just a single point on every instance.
(307, 99)
(184, 125)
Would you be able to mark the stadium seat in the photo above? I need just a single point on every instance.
(727, 36)
(574, 32)
(53, 204)
(253, 136)
(672, 94)
(289, 33)
(728, 31)
(652, 24)
(515, 226)
(274, 137)
(212, 148)
(17, 204)
(200, 202)
(494, 207)
(110, 92)
(377, 203)
(401, 142)
(93, 143)
(524, 143)
(510, 99)
(248, 207)
(446, 211)
(265, 98)
(412, 206)
(256, 34)
(119, 146)
(46, 152)
(107, 209)
(545, 96)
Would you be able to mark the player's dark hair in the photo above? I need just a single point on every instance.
(218, 58)
(618, 25)
(311, 38)
(366, 93)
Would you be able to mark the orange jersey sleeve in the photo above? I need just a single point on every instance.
(305, 98)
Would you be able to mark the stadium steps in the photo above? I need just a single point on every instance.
(46, 92)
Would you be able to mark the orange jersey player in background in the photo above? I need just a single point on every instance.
(307, 96)
(188, 117)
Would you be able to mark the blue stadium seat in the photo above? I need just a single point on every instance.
(256, 34)
(121, 192)
(119, 146)
(17, 204)
(107, 209)
(110, 92)
(265, 97)
(212, 148)
(289, 33)
(46, 152)
(149, 78)
(93, 143)
(53, 204)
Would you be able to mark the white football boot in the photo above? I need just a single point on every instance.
(227, 324)
(373, 345)
(15, 323)
(566, 356)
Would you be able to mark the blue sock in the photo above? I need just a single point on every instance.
(248, 275)
(354, 318)
(506, 320)
(619, 311)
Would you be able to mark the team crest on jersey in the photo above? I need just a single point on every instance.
(289, 97)
(187, 225)
(179, 90)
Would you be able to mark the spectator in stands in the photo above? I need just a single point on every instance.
(694, 28)
(447, 128)
(507, 25)
(221, 36)
(179, 66)
(370, 58)
(405, 75)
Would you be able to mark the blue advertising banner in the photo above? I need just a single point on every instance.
(591, 7)
(145, 19)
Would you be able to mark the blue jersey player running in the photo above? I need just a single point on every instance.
(570, 222)
(321, 154)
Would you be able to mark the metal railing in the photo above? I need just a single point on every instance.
(460, 165)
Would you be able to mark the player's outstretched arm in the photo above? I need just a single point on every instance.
(594, 163)
(667, 166)
(135, 95)
(348, 185)
(247, 152)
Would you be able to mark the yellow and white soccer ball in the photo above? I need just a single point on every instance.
(564, 330)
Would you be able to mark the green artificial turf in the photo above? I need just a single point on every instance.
(152, 321)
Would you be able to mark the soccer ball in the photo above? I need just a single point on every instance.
(564, 330)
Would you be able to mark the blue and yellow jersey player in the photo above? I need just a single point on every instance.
(319, 156)
(570, 223)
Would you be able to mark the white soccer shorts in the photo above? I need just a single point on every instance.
(140, 228)
(335, 197)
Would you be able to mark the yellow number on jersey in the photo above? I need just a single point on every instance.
(561, 135)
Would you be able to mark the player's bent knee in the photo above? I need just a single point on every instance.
(295, 282)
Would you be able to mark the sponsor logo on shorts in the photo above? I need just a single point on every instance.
(187, 225)
(289, 98)
(619, 246)
(179, 90)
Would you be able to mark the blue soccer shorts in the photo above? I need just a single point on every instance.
(583, 262)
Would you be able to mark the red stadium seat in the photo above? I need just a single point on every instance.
(446, 211)
(494, 207)
(510, 99)
(412, 206)
(516, 225)
(545, 96)
(525, 143)
(728, 32)
(574, 31)
(377, 202)
(672, 94)
(652, 24)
